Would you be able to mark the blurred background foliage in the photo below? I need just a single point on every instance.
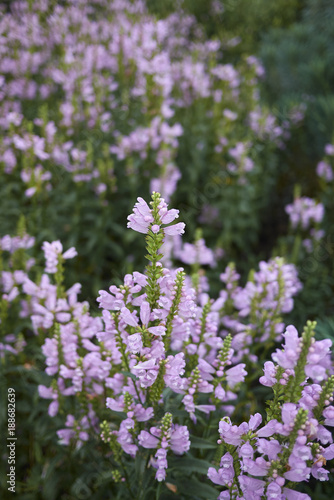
(295, 40)
(236, 18)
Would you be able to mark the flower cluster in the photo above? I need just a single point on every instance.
(306, 216)
(143, 219)
(291, 445)
(168, 436)
(163, 358)
(325, 166)
(195, 254)
(53, 255)
(123, 62)
(305, 212)
(254, 313)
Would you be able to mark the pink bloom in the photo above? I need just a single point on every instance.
(176, 229)
(179, 440)
(146, 440)
(141, 218)
(269, 374)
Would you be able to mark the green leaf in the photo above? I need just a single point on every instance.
(194, 489)
(203, 444)
(190, 465)
(129, 374)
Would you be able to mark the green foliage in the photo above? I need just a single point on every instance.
(235, 18)
(299, 68)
